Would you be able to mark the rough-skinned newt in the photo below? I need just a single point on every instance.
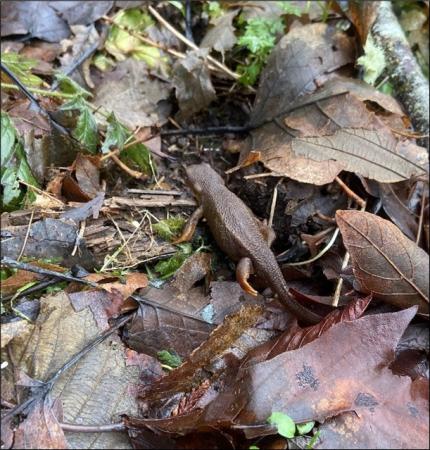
(240, 235)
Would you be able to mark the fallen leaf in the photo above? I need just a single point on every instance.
(87, 174)
(221, 36)
(386, 263)
(133, 95)
(38, 19)
(398, 423)
(13, 329)
(299, 60)
(96, 389)
(40, 429)
(373, 154)
(192, 82)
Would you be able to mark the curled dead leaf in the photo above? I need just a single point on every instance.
(386, 263)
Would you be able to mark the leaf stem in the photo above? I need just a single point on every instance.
(38, 91)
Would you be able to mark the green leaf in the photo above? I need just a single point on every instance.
(116, 135)
(254, 447)
(289, 8)
(120, 42)
(12, 194)
(169, 228)
(7, 139)
(75, 103)
(14, 167)
(103, 62)
(284, 424)
(305, 428)
(138, 155)
(313, 441)
(86, 130)
(21, 68)
(260, 34)
(168, 267)
(68, 86)
(169, 358)
(250, 72)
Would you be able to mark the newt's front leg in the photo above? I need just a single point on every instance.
(245, 268)
(190, 226)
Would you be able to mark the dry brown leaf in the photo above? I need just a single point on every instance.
(96, 388)
(192, 81)
(299, 61)
(386, 263)
(375, 154)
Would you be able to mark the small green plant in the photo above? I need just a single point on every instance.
(21, 67)
(169, 266)
(286, 427)
(169, 359)
(14, 168)
(259, 39)
(168, 229)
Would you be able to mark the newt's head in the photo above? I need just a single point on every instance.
(202, 177)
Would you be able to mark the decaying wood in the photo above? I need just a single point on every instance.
(411, 86)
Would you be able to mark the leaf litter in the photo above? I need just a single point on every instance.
(94, 198)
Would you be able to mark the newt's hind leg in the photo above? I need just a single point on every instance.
(244, 268)
(190, 226)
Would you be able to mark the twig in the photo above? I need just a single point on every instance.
(205, 131)
(274, 199)
(93, 428)
(190, 44)
(9, 262)
(125, 168)
(26, 236)
(145, 39)
(319, 254)
(39, 191)
(411, 86)
(188, 21)
(350, 193)
(79, 237)
(31, 290)
(421, 221)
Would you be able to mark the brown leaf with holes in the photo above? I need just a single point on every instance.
(386, 263)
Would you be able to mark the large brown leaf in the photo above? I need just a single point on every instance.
(374, 154)
(300, 58)
(386, 263)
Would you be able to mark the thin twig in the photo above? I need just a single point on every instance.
(39, 191)
(319, 254)
(93, 428)
(125, 168)
(79, 237)
(205, 131)
(190, 44)
(9, 262)
(336, 295)
(421, 221)
(274, 199)
(350, 193)
(26, 236)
